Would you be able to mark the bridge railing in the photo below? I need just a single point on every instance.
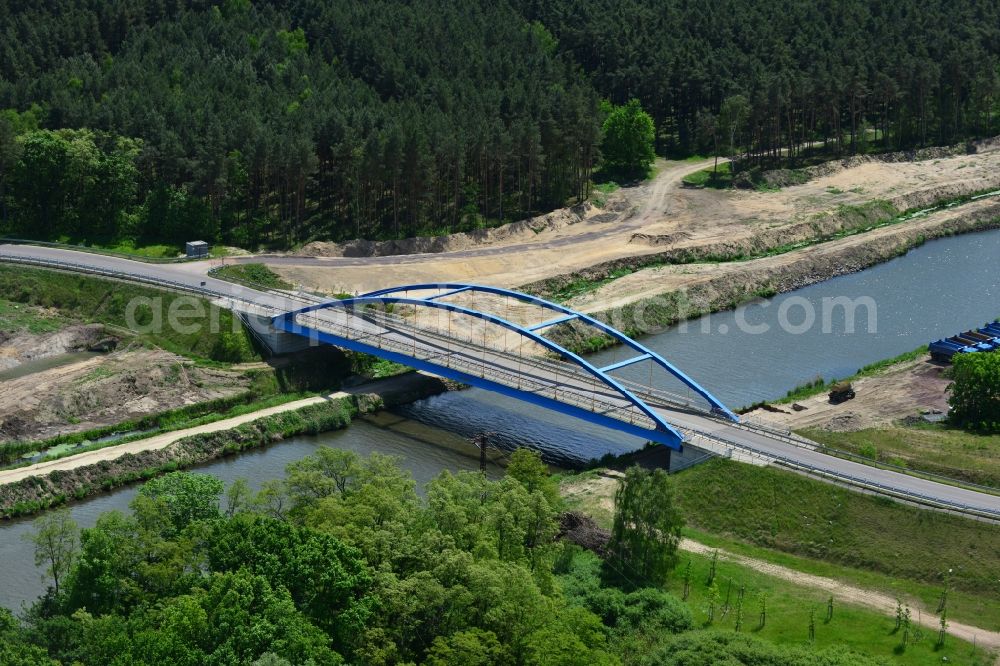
(580, 393)
(542, 363)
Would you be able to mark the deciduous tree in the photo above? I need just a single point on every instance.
(647, 529)
(627, 147)
(56, 540)
(975, 393)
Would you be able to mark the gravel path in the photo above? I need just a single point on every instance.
(152, 443)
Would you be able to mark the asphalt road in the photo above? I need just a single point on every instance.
(563, 381)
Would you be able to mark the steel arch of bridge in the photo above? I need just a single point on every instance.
(663, 432)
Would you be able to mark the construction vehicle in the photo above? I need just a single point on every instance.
(841, 392)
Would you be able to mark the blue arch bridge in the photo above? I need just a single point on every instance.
(500, 340)
(503, 341)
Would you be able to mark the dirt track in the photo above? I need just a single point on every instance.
(505, 259)
(849, 594)
(651, 218)
(598, 493)
(150, 443)
(397, 389)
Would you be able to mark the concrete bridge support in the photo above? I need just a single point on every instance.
(276, 341)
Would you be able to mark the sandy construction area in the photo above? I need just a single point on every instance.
(653, 217)
(902, 391)
(107, 389)
(652, 281)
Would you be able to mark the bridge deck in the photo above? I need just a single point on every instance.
(545, 376)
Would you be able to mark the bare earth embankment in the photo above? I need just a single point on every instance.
(660, 221)
(35, 487)
(902, 391)
(793, 269)
(108, 389)
(154, 443)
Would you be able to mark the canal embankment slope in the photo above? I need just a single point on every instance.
(28, 489)
(643, 225)
(669, 294)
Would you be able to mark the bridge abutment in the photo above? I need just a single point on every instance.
(277, 341)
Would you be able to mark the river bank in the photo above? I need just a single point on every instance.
(887, 392)
(30, 489)
(425, 452)
(650, 300)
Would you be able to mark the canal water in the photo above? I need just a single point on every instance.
(45, 363)
(762, 350)
(757, 352)
(423, 450)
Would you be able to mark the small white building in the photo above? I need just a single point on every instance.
(196, 249)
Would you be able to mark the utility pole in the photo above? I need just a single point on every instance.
(482, 440)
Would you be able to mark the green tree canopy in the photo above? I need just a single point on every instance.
(274, 123)
(361, 569)
(975, 393)
(15, 650)
(234, 618)
(179, 498)
(527, 467)
(646, 531)
(627, 147)
(473, 647)
(326, 579)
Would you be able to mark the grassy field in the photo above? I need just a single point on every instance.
(23, 317)
(710, 177)
(788, 612)
(253, 274)
(785, 511)
(91, 299)
(968, 607)
(927, 447)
